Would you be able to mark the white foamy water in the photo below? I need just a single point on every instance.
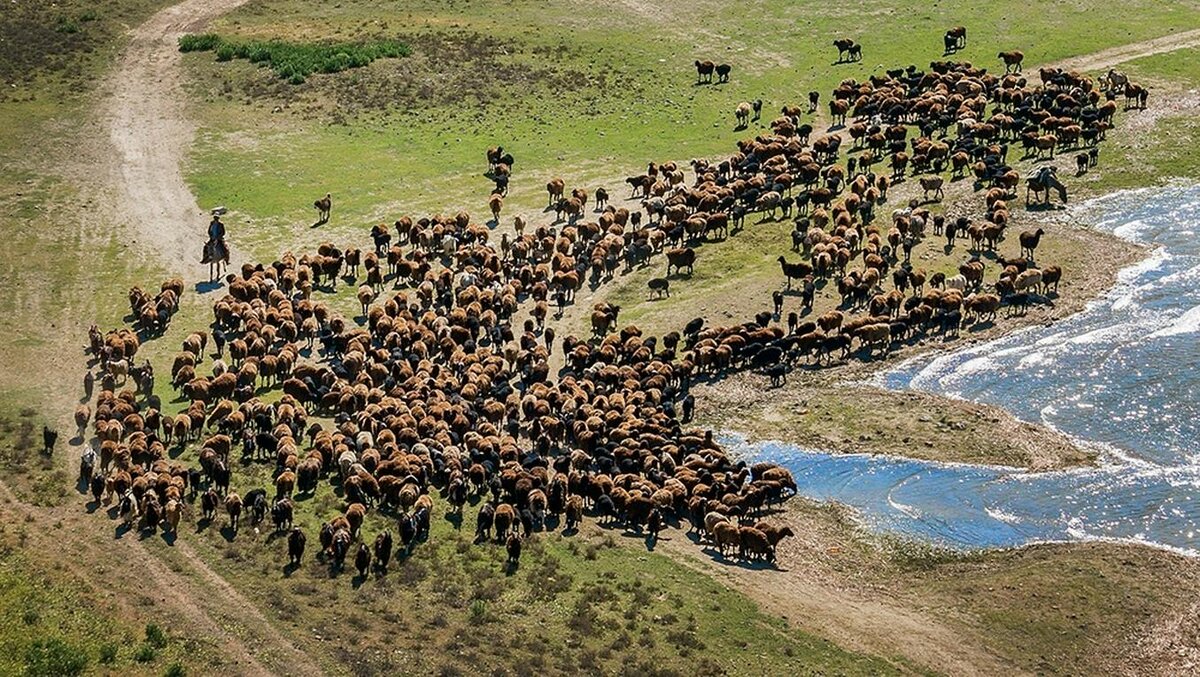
(1123, 375)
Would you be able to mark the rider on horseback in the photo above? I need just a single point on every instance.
(215, 249)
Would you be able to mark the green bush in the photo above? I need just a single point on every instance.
(54, 658)
(155, 636)
(478, 612)
(145, 654)
(175, 670)
(295, 62)
(108, 653)
(203, 42)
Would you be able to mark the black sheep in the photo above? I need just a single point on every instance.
(296, 541)
(362, 560)
(513, 546)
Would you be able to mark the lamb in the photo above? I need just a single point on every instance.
(723, 72)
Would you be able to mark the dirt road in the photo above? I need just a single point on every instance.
(151, 133)
(1107, 58)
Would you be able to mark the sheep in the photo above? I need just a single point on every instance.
(932, 184)
(1028, 280)
(723, 70)
(742, 113)
(704, 71)
(794, 271)
(233, 506)
(504, 520)
(848, 50)
(295, 546)
(513, 548)
(726, 536)
(1012, 60)
(680, 258)
(362, 560)
(753, 544)
(1029, 242)
(495, 204)
(660, 286)
(324, 206)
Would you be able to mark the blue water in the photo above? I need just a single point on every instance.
(1124, 374)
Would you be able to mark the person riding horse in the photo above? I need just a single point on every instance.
(215, 249)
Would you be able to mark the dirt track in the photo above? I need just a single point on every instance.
(1107, 58)
(151, 134)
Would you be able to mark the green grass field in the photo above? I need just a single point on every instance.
(589, 91)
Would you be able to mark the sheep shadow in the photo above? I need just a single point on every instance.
(290, 568)
(205, 287)
(1044, 207)
(716, 555)
(511, 567)
(455, 520)
(169, 537)
(358, 580)
(319, 222)
(228, 533)
(120, 530)
(981, 326)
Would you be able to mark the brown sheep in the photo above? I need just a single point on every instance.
(726, 537)
(753, 544)
(504, 519)
(1012, 60)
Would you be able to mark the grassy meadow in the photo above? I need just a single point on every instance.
(587, 91)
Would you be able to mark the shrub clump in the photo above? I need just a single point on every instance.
(295, 61)
(54, 658)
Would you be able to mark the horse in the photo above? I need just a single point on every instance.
(1043, 181)
(216, 255)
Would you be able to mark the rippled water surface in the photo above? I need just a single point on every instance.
(1125, 373)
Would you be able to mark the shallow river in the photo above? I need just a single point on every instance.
(1124, 374)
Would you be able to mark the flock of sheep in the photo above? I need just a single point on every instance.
(443, 385)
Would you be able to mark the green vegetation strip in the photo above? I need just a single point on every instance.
(295, 62)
